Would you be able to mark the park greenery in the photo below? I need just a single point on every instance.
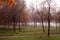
(19, 22)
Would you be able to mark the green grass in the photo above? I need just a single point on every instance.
(52, 37)
(29, 33)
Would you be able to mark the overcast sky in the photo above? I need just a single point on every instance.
(56, 2)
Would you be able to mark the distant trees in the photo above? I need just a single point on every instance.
(57, 18)
(35, 18)
(41, 15)
(14, 14)
(19, 10)
(48, 14)
(48, 2)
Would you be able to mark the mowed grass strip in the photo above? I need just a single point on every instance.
(29, 33)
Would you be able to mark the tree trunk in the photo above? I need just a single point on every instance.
(19, 26)
(19, 23)
(48, 27)
(49, 21)
(43, 26)
(14, 25)
(56, 24)
(42, 23)
(8, 24)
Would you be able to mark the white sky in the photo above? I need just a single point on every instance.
(54, 2)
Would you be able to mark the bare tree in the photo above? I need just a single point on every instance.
(48, 3)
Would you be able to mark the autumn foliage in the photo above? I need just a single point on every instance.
(8, 2)
(1, 2)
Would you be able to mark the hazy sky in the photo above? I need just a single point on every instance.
(54, 2)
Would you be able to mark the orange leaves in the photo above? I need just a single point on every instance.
(1, 2)
(11, 2)
(8, 2)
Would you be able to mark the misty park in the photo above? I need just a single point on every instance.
(29, 19)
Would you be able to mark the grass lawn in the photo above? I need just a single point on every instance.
(29, 33)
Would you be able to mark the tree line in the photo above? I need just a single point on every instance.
(20, 14)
